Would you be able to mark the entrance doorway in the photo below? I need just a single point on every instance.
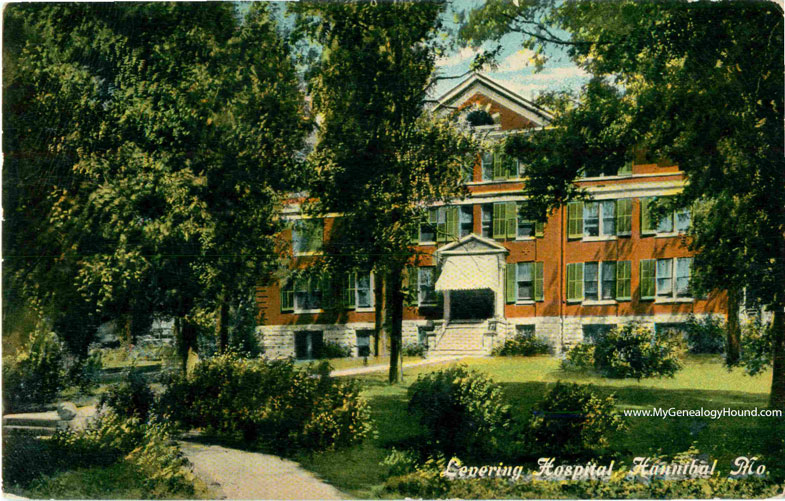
(471, 305)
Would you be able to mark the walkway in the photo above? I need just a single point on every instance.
(236, 474)
(384, 367)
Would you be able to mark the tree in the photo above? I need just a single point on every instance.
(380, 157)
(147, 145)
(698, 83)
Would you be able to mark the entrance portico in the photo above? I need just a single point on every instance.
(471, 276)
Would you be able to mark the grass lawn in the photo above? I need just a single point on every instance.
(704, 382)
(353, 362)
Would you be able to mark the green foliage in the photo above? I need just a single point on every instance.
(399, 462)
(146, 446)
(414, 350)
(756, 338)
(167, 134)
(333, 349)
(462, 411)
(85, 373)
(270, 403)
(706, 334)
(522, 344)
(573, 419)
(131, 398)
(36, 375)
(479, 117)
(579, 357)
(633, 350)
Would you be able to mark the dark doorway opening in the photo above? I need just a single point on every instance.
(471, 305)
(308, 345)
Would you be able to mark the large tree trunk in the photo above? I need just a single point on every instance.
(777, 397)
(379, 330)
(186, 341)
(395, 313)
(222, 325)
(129, 330)
(733, 353)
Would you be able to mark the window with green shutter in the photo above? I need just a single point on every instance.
(510, 290)
(307, 235)
(499, 166)
(510, 167)
(623, 280)
(647, 278)
(499, 221)
(287, 295)
(451, 223)
(539, 229)
(511, 219)
(647, 225)
(575, 220)
(575, 282)
(441, 224)
(539, 281)
(350, 292)
(624, 216)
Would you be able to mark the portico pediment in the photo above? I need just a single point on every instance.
(471, 244)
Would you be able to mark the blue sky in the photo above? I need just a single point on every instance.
(515, 70)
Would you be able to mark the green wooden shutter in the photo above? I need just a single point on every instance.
(626, 167)
(623, 276)
(510, 283)
(646, 221)
(499, 223)
(538, 281)
(511, 219)
(286, 288)
(539, 229)
(511, 167)
(624, 216)
(441, 225)
(648, 275)
(452, 224)
(315, 235)
(350, 293)
(575, 220)
(409, 286)
(574, 281)
(498, 165)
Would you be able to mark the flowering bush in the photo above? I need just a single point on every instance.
(462, 411)
(524, 345)
(268, 402)
(580, 357)
(634, 350)
(34, 376)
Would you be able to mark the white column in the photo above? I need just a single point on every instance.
(446, 307)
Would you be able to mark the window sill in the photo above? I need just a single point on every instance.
(305, 254)
(299, 312)
(673, 300)
(426, 305)
(603, 302)
(604, 238)
(525, 302)
(426, 243)
(667, 235)
(525, 239)
(365, 310)
(485, 182)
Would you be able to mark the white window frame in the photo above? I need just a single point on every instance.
(461, 211)
(420, 301)
(297, 306)
(673, 295)
(295, 231)
(370, 293)
(518, 268)
(600, 279)
(601, 230)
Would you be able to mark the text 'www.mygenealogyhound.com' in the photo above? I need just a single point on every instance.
(673, 412)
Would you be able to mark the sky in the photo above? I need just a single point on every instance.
(515, 71)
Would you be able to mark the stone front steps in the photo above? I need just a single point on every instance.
(45, 424)
(461, 339)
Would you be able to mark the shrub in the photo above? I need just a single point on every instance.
(522, 344)
(85, 373)
(414, 350)
(271, 403)
(705, 335)
(131, 398)
(144, 445)
(633, 350)
(399, 462)
(331, 349)
(756, 342)
(579, 357)
(573, 419)
(462, 411)
(36, 375)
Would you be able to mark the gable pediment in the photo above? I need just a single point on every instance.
(472, 244)
(479, 89)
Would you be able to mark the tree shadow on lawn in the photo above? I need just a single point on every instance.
(723, 439)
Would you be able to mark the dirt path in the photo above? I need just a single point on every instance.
(384, 367)
(236, 474)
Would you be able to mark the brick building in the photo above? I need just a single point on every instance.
(488, 273)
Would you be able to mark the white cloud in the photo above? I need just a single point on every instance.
(516, 61)
(529, 85)
(464, 55)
